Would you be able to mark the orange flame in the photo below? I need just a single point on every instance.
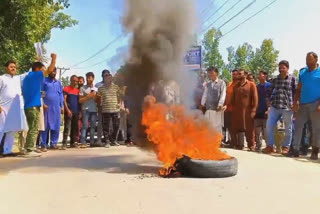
(179, 134)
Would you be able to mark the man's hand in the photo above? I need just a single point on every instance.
(295, 107)
(252, 114)
(92, 95)
(45, 107)
(0, 110)
(318, 108)
(62, 110)
(69, 113)
(53, 56)
(222, 108)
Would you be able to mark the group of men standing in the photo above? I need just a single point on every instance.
(22, 97)
(251, 112)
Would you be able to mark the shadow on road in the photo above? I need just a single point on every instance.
(126, 164)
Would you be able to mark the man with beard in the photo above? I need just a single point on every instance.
(53, 106)
(281, 94)
(244, 104)
(228, 112)
(307, 105)
(80, 81)
(12, 116)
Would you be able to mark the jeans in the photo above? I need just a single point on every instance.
(107, 118)
(88, 117)
(32, 115)
(70, 126)
(273, 117)
(260, 131)
(307, 112)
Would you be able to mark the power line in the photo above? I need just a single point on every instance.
(215, 12)
(207, 8)
(257, 13)
(221, 16)
(241, 11)
(100, 51)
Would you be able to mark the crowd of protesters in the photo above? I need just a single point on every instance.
(31, 104)
(274, 110)
(283, 112)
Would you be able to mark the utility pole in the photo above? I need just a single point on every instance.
(62, 71)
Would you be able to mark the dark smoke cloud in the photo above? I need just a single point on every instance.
(162, 30)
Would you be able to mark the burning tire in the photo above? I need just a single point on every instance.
(207, 168)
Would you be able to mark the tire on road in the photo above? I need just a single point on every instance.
(207, 168)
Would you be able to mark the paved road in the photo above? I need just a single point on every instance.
(123, 180)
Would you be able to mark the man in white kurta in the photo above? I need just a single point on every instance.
(12, 117)
(213, 99)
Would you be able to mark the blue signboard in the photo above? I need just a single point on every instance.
(193, 58)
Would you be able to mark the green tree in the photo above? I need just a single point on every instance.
(231, 59)
(65, 81)
(265, 58)
(25, 22)
(212, 56)
(296, 73)
(243, 56)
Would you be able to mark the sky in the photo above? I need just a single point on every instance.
(292, 24)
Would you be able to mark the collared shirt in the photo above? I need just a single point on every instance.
(109, 98)
(10, 87)
(310, 80)
(220, 95)
(90, 105)
(54, 92)
(282, 91)
(72, 98)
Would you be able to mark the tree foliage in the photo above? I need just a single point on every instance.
(25, 22)
(263, 58)
(65, 81)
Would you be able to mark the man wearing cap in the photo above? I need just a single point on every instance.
(108, 99)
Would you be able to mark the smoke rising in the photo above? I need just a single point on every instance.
(162, 30)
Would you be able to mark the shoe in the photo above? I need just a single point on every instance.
(38, 150)
(44, 149)
(83, 146)
(74, 145)
(293, 154)
(285, 151)
(107, 145)
(129, 143)
(314, 153)
(54, 147)
(115, 143)
(268, 150)
(63, 147)
(32, 154)
(252, 148)
(9, 155)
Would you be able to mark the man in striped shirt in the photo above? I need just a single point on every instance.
(108, 98)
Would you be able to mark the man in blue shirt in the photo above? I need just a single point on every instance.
(31, 91)
(307, 106)
(260, 120)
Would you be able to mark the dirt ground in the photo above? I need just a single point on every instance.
(124, 180)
